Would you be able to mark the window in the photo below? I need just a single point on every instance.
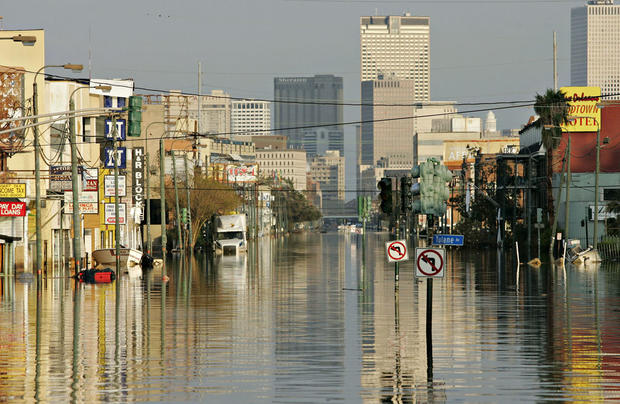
(107, 101)
(611, 194)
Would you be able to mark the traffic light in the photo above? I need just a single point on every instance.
(424, 188)
(385, 196)
(432, 188)
(361, 207)
(406, 197)
(135, 115)
(183, 215)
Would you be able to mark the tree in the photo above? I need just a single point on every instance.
(552, 109)
(292, 202)
(207, 197)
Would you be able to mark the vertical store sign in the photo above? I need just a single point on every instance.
(137, 166)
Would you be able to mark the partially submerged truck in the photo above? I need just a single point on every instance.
(230, 235)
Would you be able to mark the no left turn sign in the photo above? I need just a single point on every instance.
(430, 262)
(397, 251)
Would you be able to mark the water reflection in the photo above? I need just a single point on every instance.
(312, 318)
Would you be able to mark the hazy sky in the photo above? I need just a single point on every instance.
(481, 50)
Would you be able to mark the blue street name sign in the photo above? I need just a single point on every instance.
(448, 239)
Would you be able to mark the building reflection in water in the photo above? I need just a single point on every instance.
(314, 318)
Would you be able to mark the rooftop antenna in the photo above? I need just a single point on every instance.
(90, 53)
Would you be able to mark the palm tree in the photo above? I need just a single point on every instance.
(552, 109)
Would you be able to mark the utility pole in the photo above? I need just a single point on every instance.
(162, 191)
(189, 209)
(77, 251)
(555, 62)
(37, 181)
(176, 201)
(596, 195)
(149, 242)
(557, 205)
(117, 227)
(568, 181)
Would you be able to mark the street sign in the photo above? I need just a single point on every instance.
(602, 213)
(121, 152)
(448, 239)
(430, 262)
(397, 251)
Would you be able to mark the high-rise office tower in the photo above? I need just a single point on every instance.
(384, 135)
(250, 117)
(595, 46)
(298, 105)
(398, 48)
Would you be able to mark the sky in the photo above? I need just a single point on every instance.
(481, 50)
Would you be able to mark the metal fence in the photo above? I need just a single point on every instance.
(609, 248)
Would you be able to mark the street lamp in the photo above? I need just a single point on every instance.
(77, 248)
(37, 164)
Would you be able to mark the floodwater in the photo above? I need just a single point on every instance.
(311, 318)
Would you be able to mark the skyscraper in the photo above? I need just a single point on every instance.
(384, 134)
(397, 47)
(595, 46)
(305, 95)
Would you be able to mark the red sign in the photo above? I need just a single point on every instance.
(12, 208)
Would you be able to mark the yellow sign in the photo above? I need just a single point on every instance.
(583, 112)
(455, 150)
(12, 190)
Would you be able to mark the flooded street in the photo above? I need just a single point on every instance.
(311, 318)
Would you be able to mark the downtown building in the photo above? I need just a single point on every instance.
(595, 47)
(301, 102)
(394, 75)
(250, 117)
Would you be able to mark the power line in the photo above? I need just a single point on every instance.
(295, 101)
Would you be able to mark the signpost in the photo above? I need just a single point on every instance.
(448, 239)
(397, 251)
(430, 262)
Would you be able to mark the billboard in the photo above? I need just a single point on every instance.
(137, 166)
(455, 150)
(89, 202)
(110, 216)
(108, 186)
(12, 209)
(12, 103)
(241, 173)
(12, 190)
(583, 112)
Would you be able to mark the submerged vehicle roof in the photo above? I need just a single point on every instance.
(231, 223)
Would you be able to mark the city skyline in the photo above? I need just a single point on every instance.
(481, 51)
